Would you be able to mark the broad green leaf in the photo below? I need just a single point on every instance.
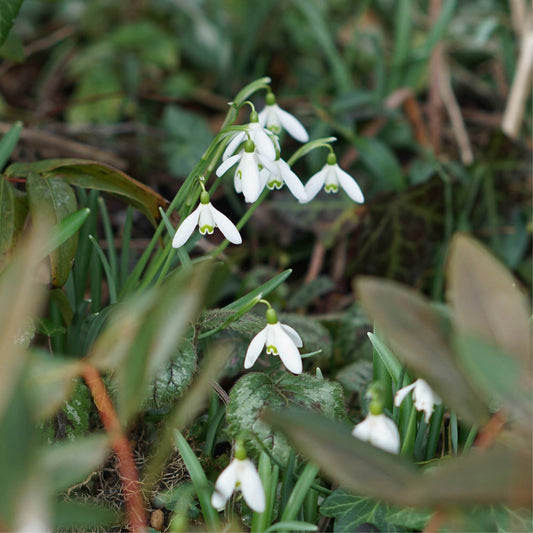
(144, 333)
(487, 301)
(378, 158)
(255, 392)
(13, 211)
(65, 229)
(356, 376)
(51, 381)
(101, 79)
(354, 464)
(501, 474)
(95, 175)
(351, 511)
(8, 12)
(76, 516)
(9, 141)
(69, 462)
(500, 377)
(50, 201)
(188, 137)
(20, 298)
(170, 383)
(416, 334)
(18, 450)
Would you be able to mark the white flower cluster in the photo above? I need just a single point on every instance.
(254, 151)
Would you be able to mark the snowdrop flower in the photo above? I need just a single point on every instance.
(265, 140)
(247, 178)
(330, 177)
(240, 474)
(279, 339)
(378, 429)
(423, 397)
(274, 118)
(283, 174)
(207, 218)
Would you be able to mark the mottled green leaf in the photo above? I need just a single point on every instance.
(487, 301)
(171, 382)
(8, 12)
(95, 175)
(255, 392)
(351, 511)
(50, 201)
(417, 336)
(144, 332)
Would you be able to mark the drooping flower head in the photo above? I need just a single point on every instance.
(423, 397)
(207, 218)
(279, 339)
(283, 175)
(265, 141)
(331, 176)
(275, 119)
(377, 428)
(247, 179)
(242, 475)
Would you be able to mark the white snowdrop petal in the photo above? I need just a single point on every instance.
(315, 183)
(387, 437)
(264, 143)
(251, 486)
(186, 228)
(401, 394)
(293, 334)
(224, 486)
(227, 164)
(349, 185)
(288, 352)
(292, 125)
(251, 184)
(362, 430)
(268, 164)
(226, 226)
(293, 183)
(262, 116)
(236, 140)
(255, 348)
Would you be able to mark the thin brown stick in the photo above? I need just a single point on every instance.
(135, 512)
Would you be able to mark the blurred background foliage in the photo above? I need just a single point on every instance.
(414, 90)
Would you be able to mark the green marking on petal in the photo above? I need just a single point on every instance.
(331, 188)
(272, 350)
(275, 184)
(207, 229)
(275, 129)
